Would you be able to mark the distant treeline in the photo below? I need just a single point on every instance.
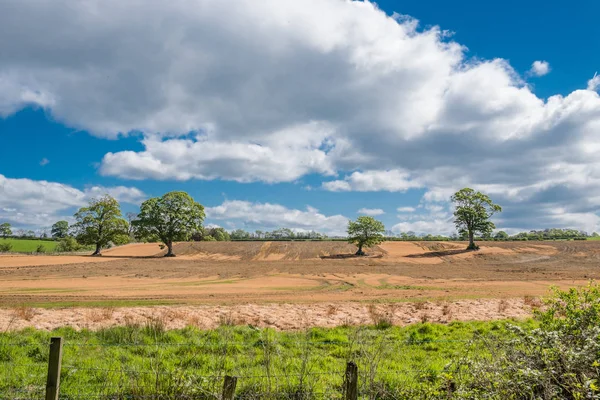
(285, 234)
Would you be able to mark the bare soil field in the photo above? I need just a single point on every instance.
(304, 275)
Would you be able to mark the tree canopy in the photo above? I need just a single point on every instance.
(173, 217)
(365, 232)
(472, 214)
(5, 230)
(60, 230)
(100, 223)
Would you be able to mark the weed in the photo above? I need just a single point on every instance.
(532, 301)
(502, 306)
(381, 319)
(24, 312)
(331, 310)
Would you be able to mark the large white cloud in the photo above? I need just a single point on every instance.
(26, 202)
(277, 89)
(267, 215)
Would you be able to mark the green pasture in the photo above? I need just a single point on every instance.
(30, 245)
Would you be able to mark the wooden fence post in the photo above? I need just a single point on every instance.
(351, 382)
(229, 385)
(54, 362)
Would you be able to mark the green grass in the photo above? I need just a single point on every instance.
(141, 360)
(30, 246)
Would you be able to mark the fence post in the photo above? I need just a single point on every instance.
(351, 381)
(54, 362)
(229, 385)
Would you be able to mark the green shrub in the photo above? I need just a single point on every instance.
(558, 360)
(5, 247)
(40, 249)
(68, 244)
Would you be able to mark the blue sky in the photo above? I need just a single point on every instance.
(301, 113)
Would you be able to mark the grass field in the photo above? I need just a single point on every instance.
(140, 360)
(30, 246)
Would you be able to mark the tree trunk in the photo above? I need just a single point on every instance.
(169, 249)
(472, 245)
(98, 249)
(360, 251)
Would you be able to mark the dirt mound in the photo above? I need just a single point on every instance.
(263, 251)
(134, 250)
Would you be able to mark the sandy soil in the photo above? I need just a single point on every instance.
(308, 274)
(279, 316)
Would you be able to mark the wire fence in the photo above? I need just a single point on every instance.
(263, 367)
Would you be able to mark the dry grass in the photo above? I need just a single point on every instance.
(229, 319)
(447, 311)
(532, 301)
(100, 314)
(331, 310)
(24, 312)
(381, 319)
(502, 306)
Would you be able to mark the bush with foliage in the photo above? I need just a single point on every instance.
(40, 249)
(67, 244)
(558, 360)
(5, 247)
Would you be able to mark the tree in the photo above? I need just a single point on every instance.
(220, 234)
(60, 230)
(472, 214)
(67, 244)
(100, 223)
(365, 232)
(5, 230)
(131, 216)
(239, 234)
(172, 217)
(501, 235)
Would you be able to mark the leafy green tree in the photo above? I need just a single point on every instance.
(220, 234)
(100, 223)
(60, 230)
(5, 230)
(472, 214)
(365, 232)
(172, 217)
(239, 234)
(67, 244)
(501, 235)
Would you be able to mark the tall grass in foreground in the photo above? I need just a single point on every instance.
(190, 363)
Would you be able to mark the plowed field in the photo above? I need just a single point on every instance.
(233, 273)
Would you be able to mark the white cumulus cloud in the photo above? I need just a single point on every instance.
(406, 209)
(371, 211)
(594, 83)
(27, 202)
(540, 68)
(269, 216)
(373, 181)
